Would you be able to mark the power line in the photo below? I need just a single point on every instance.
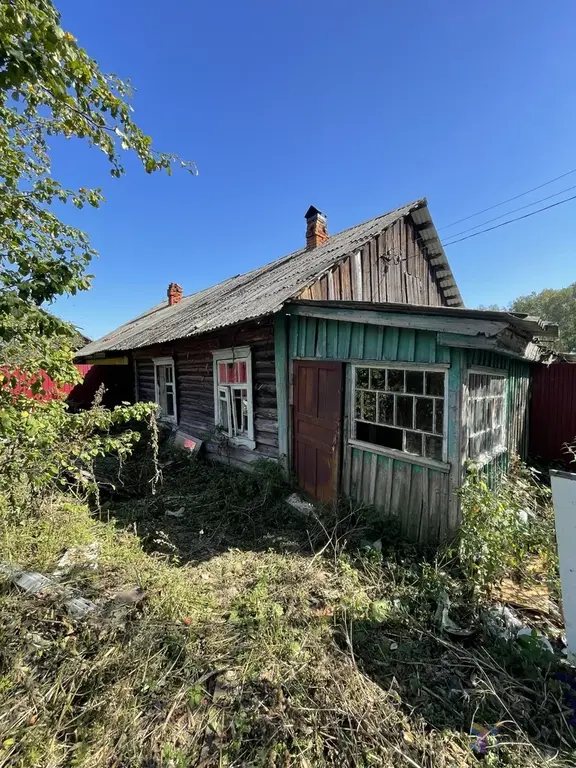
(510, 199)
(514, 210)
(510, 221)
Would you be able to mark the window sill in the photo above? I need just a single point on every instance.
(486, 458)
(409, 458)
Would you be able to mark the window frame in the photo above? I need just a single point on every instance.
(231, 355)
(395, 453)
(487, 457)
(165, 362)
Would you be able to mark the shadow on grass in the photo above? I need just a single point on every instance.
(201, 509)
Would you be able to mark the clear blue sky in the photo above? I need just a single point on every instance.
(355, 107)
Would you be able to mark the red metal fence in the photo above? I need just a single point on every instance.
(553, 411)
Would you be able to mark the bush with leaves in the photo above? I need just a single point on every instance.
(503, 527)
(50, 87)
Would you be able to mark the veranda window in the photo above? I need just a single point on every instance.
(233, 394)
(165, 383)
(486, 414)
(401, 409)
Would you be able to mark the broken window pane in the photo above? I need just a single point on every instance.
(369, 406)
(240, 400)
(379, 435)
(385, 409)
(362, 377)
(404, 411)
(358, 403)
(435, 384)
(433, 447)
(395, 380)
(223, 420)
(415, 382)
(414, 442)
(439, 417)
(378, 378)
(424, 414)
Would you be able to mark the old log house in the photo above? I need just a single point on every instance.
(351, 361)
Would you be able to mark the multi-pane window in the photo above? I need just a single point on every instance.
(400, 408)
(165, 383)
(233, 394)
(486, 417)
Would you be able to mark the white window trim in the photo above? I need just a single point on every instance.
(486, 458)
(235, 353)
(394, 452)
(165, 361)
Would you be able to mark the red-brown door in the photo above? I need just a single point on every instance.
(317, 419)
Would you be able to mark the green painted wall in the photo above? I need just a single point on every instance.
(422, 498)
(337, 340)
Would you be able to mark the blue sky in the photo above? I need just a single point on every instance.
(353, 107)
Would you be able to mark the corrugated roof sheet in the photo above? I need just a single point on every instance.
(260, 292)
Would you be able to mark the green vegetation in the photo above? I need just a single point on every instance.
(557, 306)
(262, 639)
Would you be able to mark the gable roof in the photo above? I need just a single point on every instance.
(265, 290)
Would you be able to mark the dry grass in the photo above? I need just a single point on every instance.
(249, 651)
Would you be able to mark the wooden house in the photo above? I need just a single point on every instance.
(351, 361)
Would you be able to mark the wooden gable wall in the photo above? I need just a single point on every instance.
(391, 267)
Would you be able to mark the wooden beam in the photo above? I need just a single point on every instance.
(465, 326)
(521, 349)
(282, 386)
(106, 361)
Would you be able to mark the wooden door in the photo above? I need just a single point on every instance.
(317, 426)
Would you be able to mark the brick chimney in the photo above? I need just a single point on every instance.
(316, 231)
(174, 294)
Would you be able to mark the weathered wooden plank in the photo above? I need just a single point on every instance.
(382, 472)
(366, 271)
(367, 469)
(372, 348)
(302, 336)
(449, 522)
(437, 323)
(401, 493)
(356, 474)
(414, 509)
(322, 341)
(266, 425)
(332, 339)
(357, 341)
(425, 350)
(407, 345)
(372, 474)
(310, 339)
(391, 342)
(346, 280)
(344, 336)
(422, 534)
(377, 274)
(357, 277)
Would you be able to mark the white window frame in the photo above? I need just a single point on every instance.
(394, 452)
(485, 458)
(232, 355)
(159, 362)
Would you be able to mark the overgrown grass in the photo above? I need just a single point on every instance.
(263, 640)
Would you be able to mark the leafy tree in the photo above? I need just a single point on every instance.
(557, 306)
(50, 87)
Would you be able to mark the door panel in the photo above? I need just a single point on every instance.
(317, 422)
